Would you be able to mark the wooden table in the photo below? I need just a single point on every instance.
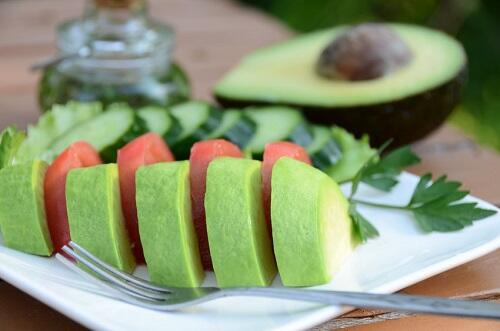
(212, 37)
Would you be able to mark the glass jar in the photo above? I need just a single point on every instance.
(114, 53)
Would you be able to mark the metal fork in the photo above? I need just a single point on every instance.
(142, 293)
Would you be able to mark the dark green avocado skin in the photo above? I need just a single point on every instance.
(405, 120)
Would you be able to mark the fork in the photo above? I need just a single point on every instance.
(139, 292)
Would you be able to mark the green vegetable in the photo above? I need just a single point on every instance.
(166, 224)
(95, 217)
(158, 120)
(311, 227)
(10, 140)
(53, 124)
(277, 123)
(355, 154)
(235, 127)
(362, 228)
(106, 132)
(197, 120)
(324, 150)
(435, 205)
(382, 175)
(240, 245)
(22, 213)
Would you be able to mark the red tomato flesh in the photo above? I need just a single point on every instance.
(146, 149)
(272, 153)
(201, 154)
(78, 155)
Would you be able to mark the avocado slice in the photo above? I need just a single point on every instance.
(166, 226)
(239, 242)
(22, 211)
(95, 216)
(312, 230)
(405, 103)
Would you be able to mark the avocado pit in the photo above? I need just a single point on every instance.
(363, 52)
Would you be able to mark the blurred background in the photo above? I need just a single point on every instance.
(27, 34)
(476, 23)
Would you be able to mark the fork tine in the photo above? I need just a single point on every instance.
(118, 293)
(116, 280)
(129, 278)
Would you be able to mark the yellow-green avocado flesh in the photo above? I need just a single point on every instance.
(238, 238)
(95, 215)
(285, 73)
(22, 211)
(166, 226)
(312, 230)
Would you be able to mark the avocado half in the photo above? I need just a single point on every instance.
(403, 105)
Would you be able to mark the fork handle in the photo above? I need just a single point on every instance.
(397, 302)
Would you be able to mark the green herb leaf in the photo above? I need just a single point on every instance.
(435, 205)
(383, 174)
(425, 192)
(436, 208)
(10, 140)
(368, 164)
(362, 228)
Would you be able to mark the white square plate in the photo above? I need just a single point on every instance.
(401, 256)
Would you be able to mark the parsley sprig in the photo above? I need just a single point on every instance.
(435, 206)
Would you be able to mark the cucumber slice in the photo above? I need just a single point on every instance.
(235, 127)
(197, 120)
(159, 120)
(51, 126)
(277, 124)
(107, 132)
(324, 150)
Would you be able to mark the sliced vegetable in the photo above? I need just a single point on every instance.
(107, 132)
(235, 127)
(324, 149)
(166, 226)
(197, 120)
(94, 213)
(277, 124)
(272, 153)
(202, 154)
(159, 120)
(147, 149)
(78, 155)
(240, 244)
(10, 141)
(22, 215)
(61, 120)
(355, 153)
(312, 230)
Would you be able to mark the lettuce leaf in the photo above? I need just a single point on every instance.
(10, 140)
(355, 153)
(52, 125)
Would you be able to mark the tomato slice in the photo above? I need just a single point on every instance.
(146, 149)
(78, 155)
(201, 154)
(272, 153)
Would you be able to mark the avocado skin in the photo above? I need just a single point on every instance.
(405, 120)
